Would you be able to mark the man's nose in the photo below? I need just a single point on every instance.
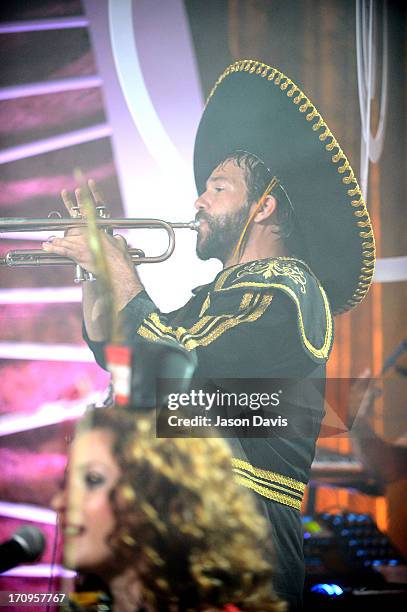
(201, 203)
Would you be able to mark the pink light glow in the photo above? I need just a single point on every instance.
(40, 25)
(5, 247)
(28, 512)
(83, 66)
(40, 89)
(38, 484)
(15, 192)
(42, 295)
(41, 570)
(45, 352)
(55, 143)
(30, 386)
(33, 113)
(48, 414)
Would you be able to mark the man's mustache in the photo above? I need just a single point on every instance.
(202, 216)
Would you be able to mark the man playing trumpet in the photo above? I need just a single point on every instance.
(280, 207)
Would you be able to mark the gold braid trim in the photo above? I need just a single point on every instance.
(205, 305)
(268, 475)
(246, 299)
(304, 104)
(268, 493)
(209, 321)
(267, 484)
(220, 283)
(153, 329)
(321, 352)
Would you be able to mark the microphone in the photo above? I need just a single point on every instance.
(27, 544)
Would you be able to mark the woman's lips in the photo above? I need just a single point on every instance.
(72, 530)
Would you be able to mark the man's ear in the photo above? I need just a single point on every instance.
(266, 210)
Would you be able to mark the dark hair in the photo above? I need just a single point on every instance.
(258, 176)
(193, 533)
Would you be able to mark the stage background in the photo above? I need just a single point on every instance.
(55, 117)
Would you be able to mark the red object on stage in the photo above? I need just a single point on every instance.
(118, 361)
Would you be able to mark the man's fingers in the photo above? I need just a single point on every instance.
(122, 242)
(58, 249)
(65, 248)
(80, 200)
(75, 231)
(69, 244)
(69, 204)
(70, 240)
(83, 196)
(96, 193)
(87, 197)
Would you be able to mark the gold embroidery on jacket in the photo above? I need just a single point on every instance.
(271, 485)
(285, 266)
(267, 484)
(205, 305)
(268, 475)
(290, 269)
(268, 493)
(179, 333)
(275, 268)
(207, 329)
(245, 302)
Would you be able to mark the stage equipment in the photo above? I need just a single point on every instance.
(37, 257)
(27, 544)
(341, 470)
(351, 565)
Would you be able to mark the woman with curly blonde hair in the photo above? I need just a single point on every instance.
(162, 521)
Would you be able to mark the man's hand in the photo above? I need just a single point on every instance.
(75, 246)
(124, 278)
(75, 243)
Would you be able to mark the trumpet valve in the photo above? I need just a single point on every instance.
(102, 212)
(82, 275)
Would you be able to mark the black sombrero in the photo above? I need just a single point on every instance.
(255, 108)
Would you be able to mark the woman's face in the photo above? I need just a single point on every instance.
(84, 510)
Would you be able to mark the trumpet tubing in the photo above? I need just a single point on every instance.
(38, 257)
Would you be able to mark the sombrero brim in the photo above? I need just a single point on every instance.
(256, 108)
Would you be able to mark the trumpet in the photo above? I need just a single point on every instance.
(37, 257)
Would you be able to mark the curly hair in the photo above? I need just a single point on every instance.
(195, 536)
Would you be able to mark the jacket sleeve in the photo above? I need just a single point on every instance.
(131, 318)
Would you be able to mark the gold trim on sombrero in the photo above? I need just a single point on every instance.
(304, 105)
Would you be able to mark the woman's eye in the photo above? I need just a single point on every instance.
(94, 480)
(219, 188)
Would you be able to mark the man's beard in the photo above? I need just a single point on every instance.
(222, 235)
